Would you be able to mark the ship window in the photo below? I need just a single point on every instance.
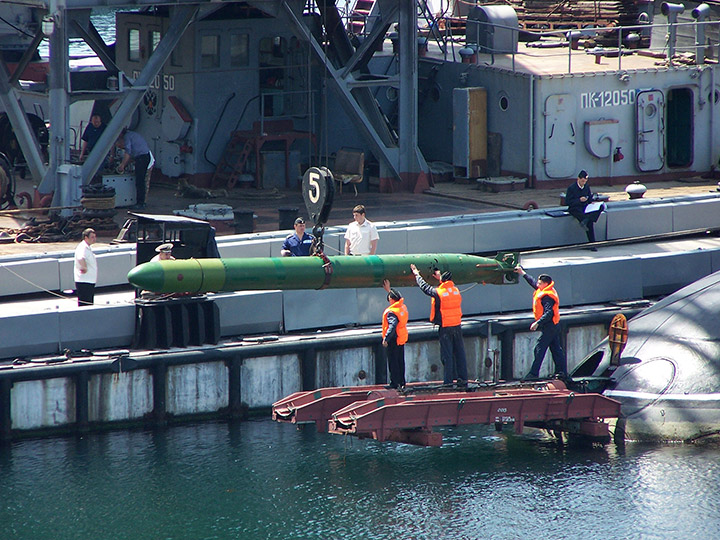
(154, 40)
(210, 52)
(239, 50)
(134, 45)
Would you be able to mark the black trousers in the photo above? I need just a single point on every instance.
(549, 337)
(452, 354)
(85, 293)
(141, 167)
(396, 363)
(587, 220)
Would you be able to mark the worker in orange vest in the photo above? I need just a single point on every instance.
(446, 312)
(395, 335)
(546, 310)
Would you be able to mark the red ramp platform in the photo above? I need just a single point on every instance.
(410, 415)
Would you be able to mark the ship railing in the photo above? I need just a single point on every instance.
(627, 38)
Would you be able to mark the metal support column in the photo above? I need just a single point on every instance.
(407, 94)
(58, 80)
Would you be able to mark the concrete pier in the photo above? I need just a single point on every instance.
(122, 388)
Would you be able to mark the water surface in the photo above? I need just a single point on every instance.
(259, 479)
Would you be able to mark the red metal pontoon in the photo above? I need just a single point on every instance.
(409, 416)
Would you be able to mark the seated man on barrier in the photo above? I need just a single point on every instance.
(579, 199)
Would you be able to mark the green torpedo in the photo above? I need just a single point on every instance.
(283, 273)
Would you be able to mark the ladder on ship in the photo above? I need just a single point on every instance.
(232, 163)
(359, 19)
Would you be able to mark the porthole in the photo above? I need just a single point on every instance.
(504, 102)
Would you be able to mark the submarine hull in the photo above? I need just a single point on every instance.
(284, 273)
(668, 377)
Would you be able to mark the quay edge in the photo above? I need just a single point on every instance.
(122, 388)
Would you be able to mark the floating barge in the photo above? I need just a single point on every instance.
(410, 415)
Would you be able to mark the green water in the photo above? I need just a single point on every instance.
(260, 480)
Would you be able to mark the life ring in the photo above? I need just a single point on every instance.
(530, 205)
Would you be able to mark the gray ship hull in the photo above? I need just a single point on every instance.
(668, 380)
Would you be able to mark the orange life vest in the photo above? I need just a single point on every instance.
(537, 302)
(450, 304)
(401, 312)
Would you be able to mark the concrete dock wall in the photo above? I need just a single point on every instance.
(146, 388)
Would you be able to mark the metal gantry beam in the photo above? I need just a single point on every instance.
(179, 21)
(386, 154)
(358, 102)
(21, 125)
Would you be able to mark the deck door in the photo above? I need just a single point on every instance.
(560, 136)
(650, 114)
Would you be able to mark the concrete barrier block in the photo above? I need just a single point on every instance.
(516, 297)
(14, 329)
(666, 273)
(392, 241)
(29, 276)
(197, 388)
(561, 231)
(450, 238)
(638, 220)
(335, 241)
(318, 309)
(113, 268)
(249, 312)
(695, 214)
(371, 305)
(598, 281)
(67, 276)
(506, 233)
(478, 299)
(117, 329)
(558, 231)
(417, 302)
(120, 396)
(261, 247)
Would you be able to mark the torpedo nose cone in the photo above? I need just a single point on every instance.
(149, 277)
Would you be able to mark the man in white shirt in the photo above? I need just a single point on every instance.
(361, 237)
(85, 269)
